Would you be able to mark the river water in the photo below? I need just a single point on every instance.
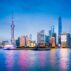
(28, 60)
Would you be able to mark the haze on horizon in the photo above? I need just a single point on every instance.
(31, 16)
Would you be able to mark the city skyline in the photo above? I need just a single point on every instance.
(32, 16)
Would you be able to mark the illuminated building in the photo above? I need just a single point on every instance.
(54, 35)
(52, 40)
(41, 39)
(27, 41)
(22, 41)
(65, 40)
(32, 44)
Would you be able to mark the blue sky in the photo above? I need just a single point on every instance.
(31, 16)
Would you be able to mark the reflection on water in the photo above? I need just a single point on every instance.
(52, 57)
(64, 59)
(22, 60)
(9, 60)
(42, 59)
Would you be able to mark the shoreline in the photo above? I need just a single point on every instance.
(29, 48)
(35, 48)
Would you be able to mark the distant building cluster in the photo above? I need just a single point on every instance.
(25, 41)
(63, 39)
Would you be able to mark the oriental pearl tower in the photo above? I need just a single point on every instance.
(12, 31)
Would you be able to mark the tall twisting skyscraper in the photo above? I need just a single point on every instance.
(12, 31)
(59, 30)
(59, 26)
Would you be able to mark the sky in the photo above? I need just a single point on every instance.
(32, 16)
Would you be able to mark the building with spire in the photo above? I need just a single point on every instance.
(12, 31)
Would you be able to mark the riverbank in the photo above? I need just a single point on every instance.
(30, 48)
(33, 48)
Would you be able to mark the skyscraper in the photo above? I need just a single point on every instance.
(41, 38)
(59, 30)
(27, 41)
(52, 29)
(22, 41)
(68, 40)
(54, 35)
(12, 32)
(47, 39)
(18, 42)
(50, 33)
(65, 39)
(59, 26)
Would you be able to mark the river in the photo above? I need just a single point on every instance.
(29, 60)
